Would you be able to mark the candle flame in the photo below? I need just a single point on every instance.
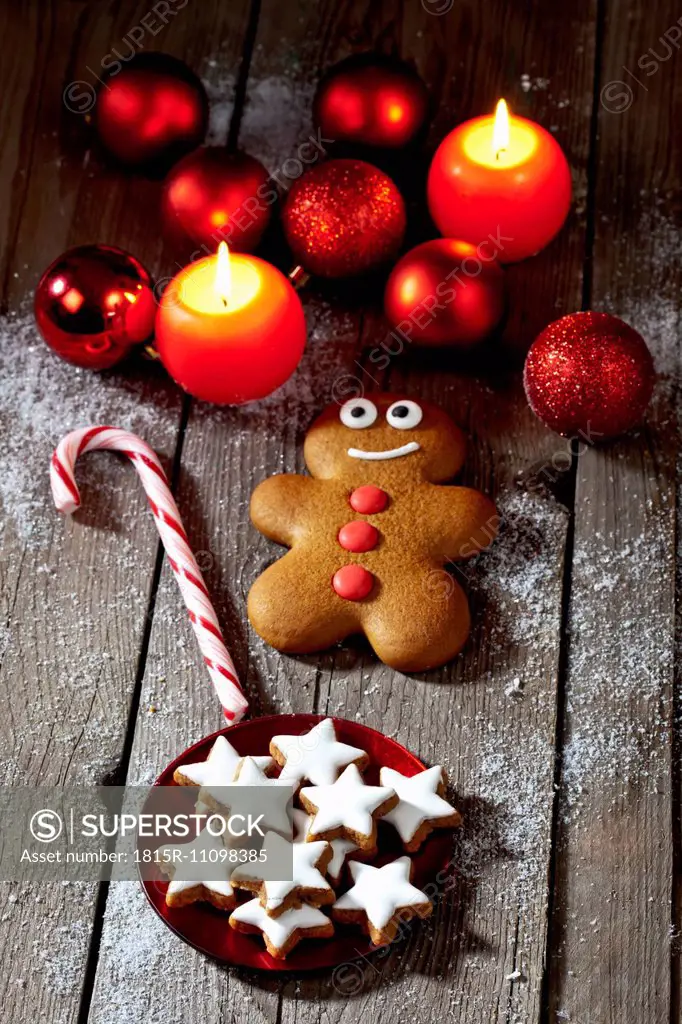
(501, 129)
(223, 276)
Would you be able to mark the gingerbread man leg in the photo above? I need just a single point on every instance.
(423, 625)
(289, 606)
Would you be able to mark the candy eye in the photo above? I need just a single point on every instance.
(404, 415)
(358, 413)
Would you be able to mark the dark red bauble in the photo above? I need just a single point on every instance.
(344, 217)
(589, 375)
(446, 294)
(151, 111)
(213, 195)
(371, 100)
(93, 304)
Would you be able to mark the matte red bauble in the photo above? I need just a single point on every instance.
(589, 375)
(371, 100)
(151, 111)
(442, 293)
(344, 217)
(213, 195)
(93, 304)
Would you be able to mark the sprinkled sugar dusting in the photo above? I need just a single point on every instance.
(277, 119)
(509, 777)
(619, 711)
(518, 575)
(655, 311)
(136, 946)
(43, 398)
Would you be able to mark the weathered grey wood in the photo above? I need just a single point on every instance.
(498, 747)
(612, 926)
(608, 945)
(73, 595)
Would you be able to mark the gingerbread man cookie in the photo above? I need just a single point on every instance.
(370, 532)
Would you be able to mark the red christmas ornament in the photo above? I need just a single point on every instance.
(371, 100)
(344, 217)
(93, 304)
(446, 294)
(589, 374)
(152, 110)
(213, 195)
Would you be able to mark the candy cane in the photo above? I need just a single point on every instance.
(169, 524)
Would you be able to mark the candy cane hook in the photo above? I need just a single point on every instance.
(172, 532)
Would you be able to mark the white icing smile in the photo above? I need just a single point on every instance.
(392, 453)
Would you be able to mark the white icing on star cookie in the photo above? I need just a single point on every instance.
(275, 818)
(220, 767)
(347, 809)
(282, 933)
(341, 848)
(421, 808)
(307, 883)
(316, 755)
(381, 899)
(187, 882)
(302, 821)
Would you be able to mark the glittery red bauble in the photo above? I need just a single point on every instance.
(213, 195)
(371, 100)
(444, 293)
(589, 375)
(93, 304)
(344, 217)
(151, 110)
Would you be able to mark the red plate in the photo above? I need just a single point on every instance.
(207, 929)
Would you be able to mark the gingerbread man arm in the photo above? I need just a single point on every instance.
(462, 522)
(281, 506)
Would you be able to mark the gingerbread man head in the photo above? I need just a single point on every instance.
(385, 440)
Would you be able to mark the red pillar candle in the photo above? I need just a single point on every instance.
(500, 181)
(230, 328)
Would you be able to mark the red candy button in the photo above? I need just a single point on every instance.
(352, 582)
(368, 500)
(358, 536)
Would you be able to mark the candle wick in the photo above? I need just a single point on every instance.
(503, 149)
(224, 301)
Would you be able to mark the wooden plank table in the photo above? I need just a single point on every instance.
(559, 724)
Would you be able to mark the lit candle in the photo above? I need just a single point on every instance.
(500, 180)
(230, 328)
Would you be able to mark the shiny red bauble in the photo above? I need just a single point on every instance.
(213, 195)
(446, 294)
(371, 100)
(93, 304)
(589, 375)
(343, 218)
(151, 110)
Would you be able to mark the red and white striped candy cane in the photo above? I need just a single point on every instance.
(169, 524)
